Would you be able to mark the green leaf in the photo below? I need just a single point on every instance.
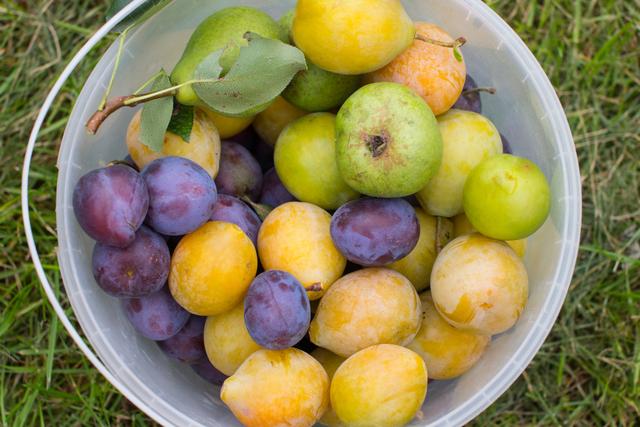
(262, 71)
(182, 121)
(156, 116)
(210, 68)
(141, 14)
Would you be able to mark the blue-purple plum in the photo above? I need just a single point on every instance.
(276, 310)
(274, 192)
(375, 232)
(240, 174)
(263, 153)
(156, 316)
(469, 99)
(206, 371)
(188, 344)
(233, 210)
(139, 269)
(182, 195)
(110, 204)
(247, 138)
(506, 145)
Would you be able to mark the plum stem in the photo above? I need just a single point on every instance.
(123, 163)
(459, 42)
(260, 209)
(114, 104)
(439, 244)
(314, 287)
(455, 45)
(491, 90)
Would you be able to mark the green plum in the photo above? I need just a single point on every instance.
(306, 164)
(224, 29)
(507, 197)
(468, 138)
(387, 141)
(316, 89)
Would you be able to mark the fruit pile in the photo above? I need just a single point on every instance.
(357, 235)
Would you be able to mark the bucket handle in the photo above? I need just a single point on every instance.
(33, 250)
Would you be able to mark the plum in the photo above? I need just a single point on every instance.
(305, 158)
(383, 386)
(368, 307)
(181, 195)
(274, 193)
(139, 269)
(187, 345)
(206, 371)
(469, 99)
(203, 147)
(468, 139)
(233, 210)
(276, 310)
(435, 233)
(212, 268)
(375, 232)
(227, 340)
(447, 352)
(110, 204)
(295, 237)
(479, 285)
(277, 388)
(507, 197)
(156, 316)
(240, 174)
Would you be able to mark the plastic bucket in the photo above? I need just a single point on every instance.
(526, 110)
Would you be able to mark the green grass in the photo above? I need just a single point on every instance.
(587, 372)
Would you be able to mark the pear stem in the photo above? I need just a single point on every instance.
(459, 42)
(114, 104)
(491, 90)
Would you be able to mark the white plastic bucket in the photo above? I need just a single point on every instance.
(526, 110)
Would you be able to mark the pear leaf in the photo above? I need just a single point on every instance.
(182, 121)
(141, 14)
(264, 68)
(209, 69)
(156, 115)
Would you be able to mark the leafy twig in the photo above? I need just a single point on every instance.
(113, 105)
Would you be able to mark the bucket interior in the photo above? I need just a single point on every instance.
(525, 110)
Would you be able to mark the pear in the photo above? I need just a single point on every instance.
(224, 29)
(387, 141)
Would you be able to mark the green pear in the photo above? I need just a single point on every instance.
(224, 29)
(286, 22)
(387, 141)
